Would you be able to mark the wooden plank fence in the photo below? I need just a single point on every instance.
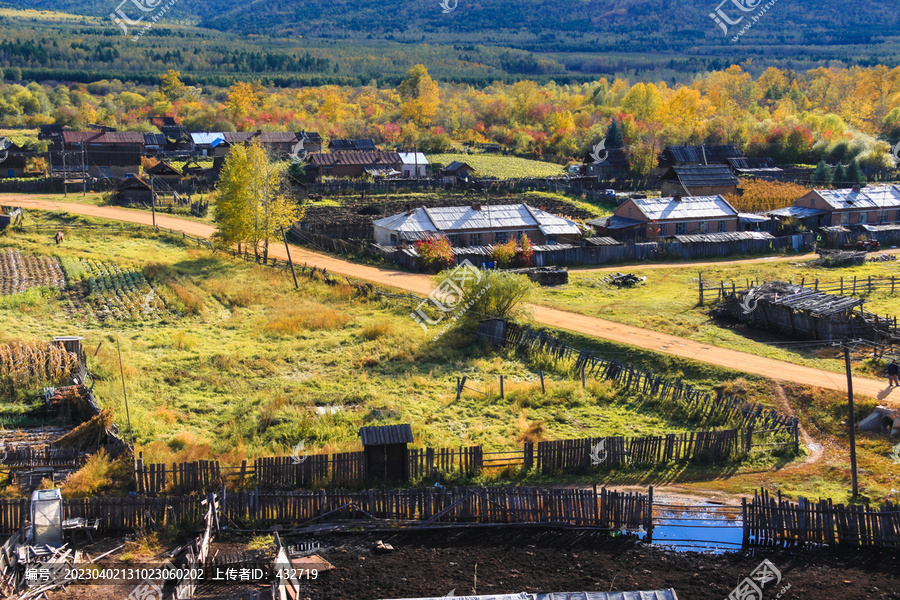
(776, 522)
(427, 462)
(716, 292)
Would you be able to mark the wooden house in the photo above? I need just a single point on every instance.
(456, 172)
(134, 190)
(475, 225)
(312, 141)
(13, 158)
(615, 165)
(700, 180)
(386, 451)
(163, 171)
(354, 164)
(108, 154)
(414, 164)
(651, 218)
(874, 205)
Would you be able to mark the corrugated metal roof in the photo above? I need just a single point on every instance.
(688, 207)
(758, 162)
(386, 434)
(345, 144)
(355, 158)
(798, 212)
(885, 196)
(753, 218)
(703, 238)
(877, 228)
(456, 165)
(413, 158)
(154, 139)
(614, 222)
(602, 241)
(702, 175)
(460, 218)
(107, 137)
(208, 138)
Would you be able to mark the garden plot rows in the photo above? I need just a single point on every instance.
(122, 294)
(20, 272)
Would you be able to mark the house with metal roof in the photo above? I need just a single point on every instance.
(704, 154)
(651, 218)
(354, 164)
(760, 167)
(414, 164)
(475, 225)
(615, 164)
(13, 158)
(871, 205)
(343, 145)
(456, 172)
(699, 180)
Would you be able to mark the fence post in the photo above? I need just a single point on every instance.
(648, 519)
(543, 389)
(700, 279)
(501, 388)
(583, 380)
(745, 527)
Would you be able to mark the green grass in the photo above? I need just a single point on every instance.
(504, 167)
(668, 302)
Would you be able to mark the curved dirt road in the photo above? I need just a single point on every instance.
(423, 285)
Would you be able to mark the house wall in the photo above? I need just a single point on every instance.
(414, 170)
(848, 216)
(674, 188)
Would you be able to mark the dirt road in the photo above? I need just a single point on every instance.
(423, 285)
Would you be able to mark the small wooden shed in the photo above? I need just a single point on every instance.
(386, 451)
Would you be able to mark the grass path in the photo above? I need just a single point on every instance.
(592, 326)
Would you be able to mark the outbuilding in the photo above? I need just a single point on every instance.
(386, 451)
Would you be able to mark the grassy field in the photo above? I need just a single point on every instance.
(238, 364)
(494, 165)
(668, 302)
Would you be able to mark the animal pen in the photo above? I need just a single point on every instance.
(810, 314)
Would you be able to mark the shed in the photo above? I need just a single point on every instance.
(134, 189)
(46, 517)
(386, 452)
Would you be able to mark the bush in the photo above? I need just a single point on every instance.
(494, 294)
(434, 254)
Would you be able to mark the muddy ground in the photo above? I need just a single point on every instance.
(494, 561)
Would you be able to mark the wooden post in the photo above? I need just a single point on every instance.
(290, 262)
(583, 380)
(501, 388)
(700, 279)
(543, 389)
(852, 422)
(745, 535)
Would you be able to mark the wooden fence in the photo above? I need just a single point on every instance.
(697, 404)
(426, 506)
(587, 453)
(773, 521)
(717, 292)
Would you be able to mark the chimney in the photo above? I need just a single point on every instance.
(476, 206)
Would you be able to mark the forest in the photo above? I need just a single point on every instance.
(795, 117)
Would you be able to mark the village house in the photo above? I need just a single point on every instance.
(476, 225)
(615, 164)
(456, 172)
(414, 164)
(107, 154)
(651, 218)
(163, 171)
(134, 190)
(13, 158)
(761, 167)
(354, 164)
(700, 180)
(685, 156)
(874, 205)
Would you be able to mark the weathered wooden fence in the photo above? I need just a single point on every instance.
(425, 506)
(698, 404)
(587, 453)
(772, 521)
(710, 291)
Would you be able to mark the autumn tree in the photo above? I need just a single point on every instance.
(171, 86)
(252, 204)
(243, 99)
(421, 96)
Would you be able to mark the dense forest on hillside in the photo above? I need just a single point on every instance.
(795, 117)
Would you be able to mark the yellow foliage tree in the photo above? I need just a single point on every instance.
(421, 96)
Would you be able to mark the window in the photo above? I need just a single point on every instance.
(703, 227)
(453, 238)
(898, 216)
(723, 226)
(393, 238)
(104, 172)
(662, 229)
(551, 239)
(845, 219)
(680, 228)
(501, 237)
(862, 217)
(475, 239)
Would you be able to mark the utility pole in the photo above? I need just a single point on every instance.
(290, 262)
(125, 396)
(852, 420)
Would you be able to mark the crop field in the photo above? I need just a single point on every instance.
(502, 167)
(117, 293)
(20, 272)
(668, 302)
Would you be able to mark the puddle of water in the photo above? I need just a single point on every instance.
(698, 529)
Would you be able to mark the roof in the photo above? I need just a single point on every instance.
(310, 136)
(133, 183)
(163, 168)
(345, 144)
(702, 176)
(758, 162)
(154, 139)
(879, 228)
(460, 218)
(615, 222)
(753, 218)
(702, 154)
(386, 434)
(797, 212)
(413, 158)
(352, 157)
(208, 138)
(456, 166)
(736, 236)
(616, 159)
(688, 207)
(884, 196)
(602, 241)
(105, 137)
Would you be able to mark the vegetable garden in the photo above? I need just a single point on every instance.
(20, 272)
(121, 294)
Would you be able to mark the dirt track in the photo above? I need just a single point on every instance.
(422, 284)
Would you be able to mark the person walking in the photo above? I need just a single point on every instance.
(893, 373)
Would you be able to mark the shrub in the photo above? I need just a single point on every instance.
(504, 254)
(375, 331)
(434, 254)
